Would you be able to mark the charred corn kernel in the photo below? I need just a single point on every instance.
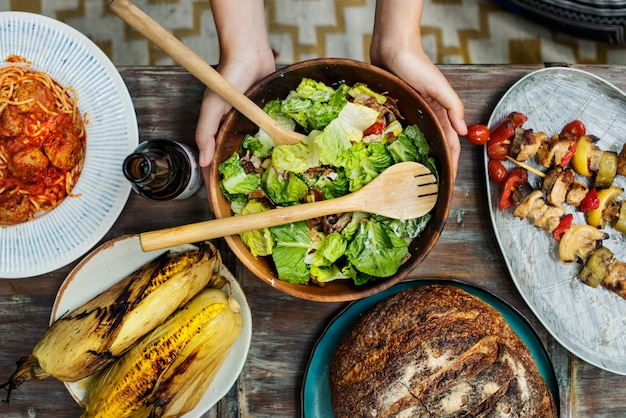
(168, 371)
(90, 337)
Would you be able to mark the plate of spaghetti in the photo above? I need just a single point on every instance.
(66, 124)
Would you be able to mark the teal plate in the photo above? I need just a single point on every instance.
(316, 401)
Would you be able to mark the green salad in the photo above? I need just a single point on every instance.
(353, 134)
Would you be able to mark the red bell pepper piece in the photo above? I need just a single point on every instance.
(564, 225)
(569, 154)
(498, 147)
(516, 178)
(590, 201)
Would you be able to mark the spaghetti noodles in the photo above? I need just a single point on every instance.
(42, 143)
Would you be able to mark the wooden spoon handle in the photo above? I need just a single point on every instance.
(143, 23)
(233, 225)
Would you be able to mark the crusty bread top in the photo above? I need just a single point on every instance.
(437, 351)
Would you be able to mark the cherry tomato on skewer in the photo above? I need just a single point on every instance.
(478, 134)
(497, 171)
(575, 127)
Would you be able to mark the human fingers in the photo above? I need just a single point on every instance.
(441, 91)
(212, 111)
(452, 137)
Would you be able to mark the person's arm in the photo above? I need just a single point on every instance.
(397, 47)
(245, 57)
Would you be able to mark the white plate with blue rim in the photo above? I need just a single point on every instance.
(67, 232)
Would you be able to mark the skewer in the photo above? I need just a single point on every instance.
(527, 167)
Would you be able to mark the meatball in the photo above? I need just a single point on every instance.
(14, 208)
(29, 165)
(63, 150)
(11, 122)
(36, 91)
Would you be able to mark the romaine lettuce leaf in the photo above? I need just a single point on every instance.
(333, 246)
(314, 90)
(346, 129)
(351, 229)
(376, 250)
(418, 138)
(260, 144)
(403, 149)
(287, 190)
(407, 228)
(325, 274)
(292, 245)
(259, 241)
(297, 158)
(363, 162)
(234, 177)
(361, 88)
(333, 184)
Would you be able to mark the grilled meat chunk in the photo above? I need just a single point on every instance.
(556, 184)
(541, 214)
(525, 143)
(552, 151)
(576, 193)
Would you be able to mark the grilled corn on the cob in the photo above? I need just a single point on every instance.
(90, 337)
(167, 372)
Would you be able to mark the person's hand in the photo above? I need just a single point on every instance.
(397, 46)
(241, 73)
(245, 57)
(416, 68)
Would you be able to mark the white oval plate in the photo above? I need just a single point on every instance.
(590, 323)
(114, 260)
(64, 234)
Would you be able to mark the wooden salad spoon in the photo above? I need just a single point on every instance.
(143, 23)
(403, 191)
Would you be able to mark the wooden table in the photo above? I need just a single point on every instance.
(285, 329)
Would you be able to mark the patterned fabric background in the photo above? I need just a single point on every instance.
(455, 31)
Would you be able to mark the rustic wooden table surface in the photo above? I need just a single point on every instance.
(286, 329)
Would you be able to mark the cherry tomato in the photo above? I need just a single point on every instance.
(575, 127)
(376, 128)
(590, 201)
(478, 134)
(564, 225)
(497, 171)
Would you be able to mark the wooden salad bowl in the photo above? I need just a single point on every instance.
(333, 71)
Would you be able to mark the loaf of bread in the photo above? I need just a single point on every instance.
(436, 351)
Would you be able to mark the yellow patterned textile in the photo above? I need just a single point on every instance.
(454, 31)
